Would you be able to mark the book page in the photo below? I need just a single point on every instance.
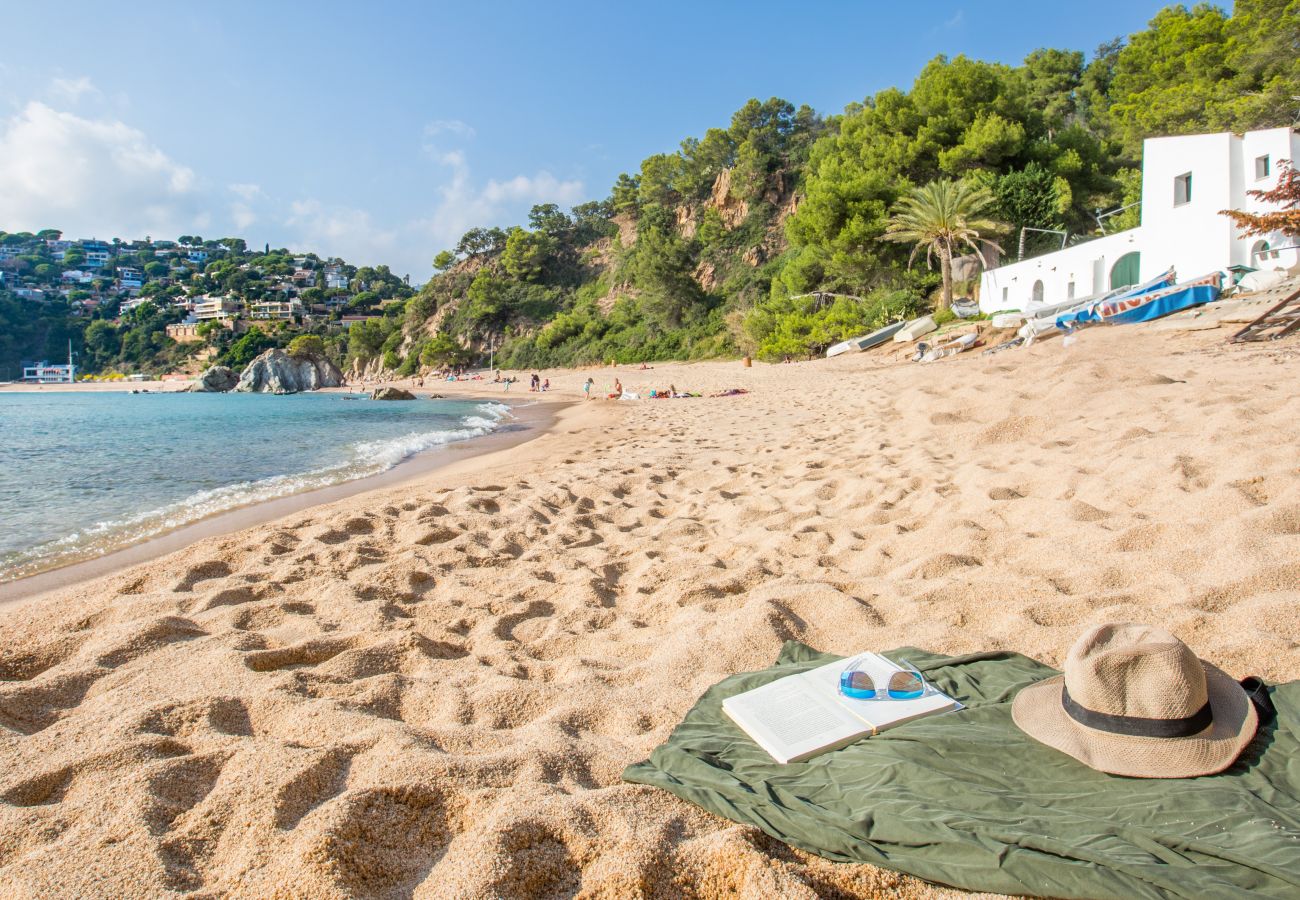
(880, 714)
(788, 720)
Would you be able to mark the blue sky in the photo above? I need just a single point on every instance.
(382, 131)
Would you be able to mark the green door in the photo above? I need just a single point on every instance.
(1125, 271)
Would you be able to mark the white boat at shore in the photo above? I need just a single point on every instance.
(866, 341)
(915, 329)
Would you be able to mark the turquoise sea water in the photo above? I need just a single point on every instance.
(84, 474)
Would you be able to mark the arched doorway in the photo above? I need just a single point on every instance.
(1125, 270)
(1259, 252)
(1037, 296)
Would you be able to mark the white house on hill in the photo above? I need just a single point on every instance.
(1185, 182)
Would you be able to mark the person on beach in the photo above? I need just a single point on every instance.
(618, 390)
(546, 385)
(586, 388)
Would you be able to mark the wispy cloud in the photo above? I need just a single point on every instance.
(955, 19)
(449, 126)
(340, 231)
(73, 89)
(464, 204)
(246, 192)
(242, 213)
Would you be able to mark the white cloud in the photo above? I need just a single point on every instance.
(99, 177)
(90, 177)
(241, 211)
(242, 215)
(73, 89)
(449, 126)
(542, 186)
(341, 231)
(462, 205)
(246, 192)
(955, 20)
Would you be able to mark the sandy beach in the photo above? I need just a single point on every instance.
(159, 387)
(431, 689)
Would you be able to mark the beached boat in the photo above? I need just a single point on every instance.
(1043, 319)
(915, 329)
(1145, 305)
(866, 341)
(841, 347)
(878, 337)
(1153, 305)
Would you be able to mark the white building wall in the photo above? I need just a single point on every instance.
(1277, 144)
(1087, 266)
(1191, 237)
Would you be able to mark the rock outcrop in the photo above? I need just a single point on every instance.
(732, 210)
(391, 393)
(216, 380)
(276, 372)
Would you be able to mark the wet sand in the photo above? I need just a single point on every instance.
(527, 421)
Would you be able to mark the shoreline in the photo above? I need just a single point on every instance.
(171, 386)
(528, 421)
(436, 685)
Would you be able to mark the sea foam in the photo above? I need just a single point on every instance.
(366, 458)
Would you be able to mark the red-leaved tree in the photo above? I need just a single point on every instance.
(1287, 194)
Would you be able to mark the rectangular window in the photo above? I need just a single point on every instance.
(1183, 189)
(1004, 295)
(1069, 291)
(1261, 167)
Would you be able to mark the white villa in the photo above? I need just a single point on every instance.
(1185, 182)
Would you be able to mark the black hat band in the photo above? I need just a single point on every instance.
(1136, 726)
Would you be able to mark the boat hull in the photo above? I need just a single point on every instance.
(879, 336)
(866, 342)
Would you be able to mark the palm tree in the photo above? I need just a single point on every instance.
(942, 216)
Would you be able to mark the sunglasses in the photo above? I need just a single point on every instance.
(905, 685)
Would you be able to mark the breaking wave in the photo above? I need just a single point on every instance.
(366, 458)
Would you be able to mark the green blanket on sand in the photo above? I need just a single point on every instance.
(966, 799)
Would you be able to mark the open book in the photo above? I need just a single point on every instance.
(799, 716)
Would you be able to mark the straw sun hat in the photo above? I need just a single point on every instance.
(1134, 700)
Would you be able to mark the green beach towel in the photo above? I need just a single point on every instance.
(966, 799)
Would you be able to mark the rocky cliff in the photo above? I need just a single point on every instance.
(276, 372)
(216, 380)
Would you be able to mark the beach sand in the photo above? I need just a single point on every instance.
(93, 387)
(432, 689)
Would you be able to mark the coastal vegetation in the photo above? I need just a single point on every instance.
(735, 241)
(939, 218)
(768, 235)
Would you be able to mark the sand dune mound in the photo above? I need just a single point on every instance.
(431, 691)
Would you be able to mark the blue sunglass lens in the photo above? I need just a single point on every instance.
(857, 684)
(906, 686)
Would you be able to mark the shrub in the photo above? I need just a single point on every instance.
(307, 345)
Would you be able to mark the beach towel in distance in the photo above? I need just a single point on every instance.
(966, 799)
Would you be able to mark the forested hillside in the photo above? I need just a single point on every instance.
(765, 235)
(713, 248)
